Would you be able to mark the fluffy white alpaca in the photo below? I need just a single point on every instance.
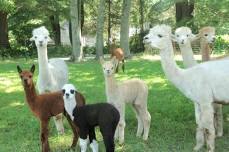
(184, 36)
(53, 73)
(204, 83)
(134, 91)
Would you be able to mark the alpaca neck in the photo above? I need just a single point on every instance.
(31, 95)
(187, 55)
(43, 63)
(172, 71)
(111, 86)
(205, 50)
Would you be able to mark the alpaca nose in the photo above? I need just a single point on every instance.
(41, 42)
(25, 80)
(108, 71)
(182, 42)
(67, 94)
(213, 39)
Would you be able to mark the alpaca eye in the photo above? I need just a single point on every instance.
(112, 68)
(35, 37)
(30, 76)
(187, 35)
(63, 91)
(46, 37)
(159, 35)
(205, 34)
(72, 91)
(21, 77)
(177, 35)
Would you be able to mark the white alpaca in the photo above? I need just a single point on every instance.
(204, 83)
(134, 91)
(53, 73)
(184, 36)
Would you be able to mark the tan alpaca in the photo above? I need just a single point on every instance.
(134, 92)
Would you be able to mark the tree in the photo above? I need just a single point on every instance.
(184, 11)
(99, 29)
(141, 21)
(75, 13)
(5, 8)
(124, 32)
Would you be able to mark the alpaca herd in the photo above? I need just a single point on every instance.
(206, 84)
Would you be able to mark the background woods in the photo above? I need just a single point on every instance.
(81, 27)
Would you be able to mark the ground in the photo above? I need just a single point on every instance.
(172, 126)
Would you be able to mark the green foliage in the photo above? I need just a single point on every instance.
(7, 5)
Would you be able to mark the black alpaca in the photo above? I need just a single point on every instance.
(103, 115)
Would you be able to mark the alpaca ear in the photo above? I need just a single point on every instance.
(32, 39)
(32, 69)
(19, 69)
(101, 60)
(195, 37)
(49, 39)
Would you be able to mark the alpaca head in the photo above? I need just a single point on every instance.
(26, 76)
(41, 37)
(158, 36)
(183, 35)
(68, 91)
(207, 34)
(109, 67)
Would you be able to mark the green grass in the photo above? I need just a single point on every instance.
(172, 126)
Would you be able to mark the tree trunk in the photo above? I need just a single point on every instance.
(82, 14)
(141, 10)
(124, 32)
(109, 25)
(54, 19)
(4, 38)
(99, 30)
(77, 52)
(184, 13)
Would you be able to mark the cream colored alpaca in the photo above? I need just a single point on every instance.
(134, 92)
(204, 83)
(184, 36)
(53, 73)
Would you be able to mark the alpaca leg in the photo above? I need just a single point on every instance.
(92, 138)
(199, 138)
(44, 136)
(123, 66)
(140, 123)
(207, 120)
(58, 119)
(108, 139)
(121, 125)
(83, 144)
(146, 119)
(207, 124)
(75, 130)
(218, 119)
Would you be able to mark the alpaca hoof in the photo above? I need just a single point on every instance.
(145, 138)
(197, 148)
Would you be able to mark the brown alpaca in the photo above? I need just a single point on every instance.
(45, 106)
(207, 38)
(118, 53)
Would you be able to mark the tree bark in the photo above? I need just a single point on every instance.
(184, 12)
(54, 19)
(124, 31)
(109, 25)
(100, 28)
(141, 21)
(4, 38)
(77, 52)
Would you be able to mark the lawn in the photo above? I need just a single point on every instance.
(172, 126)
